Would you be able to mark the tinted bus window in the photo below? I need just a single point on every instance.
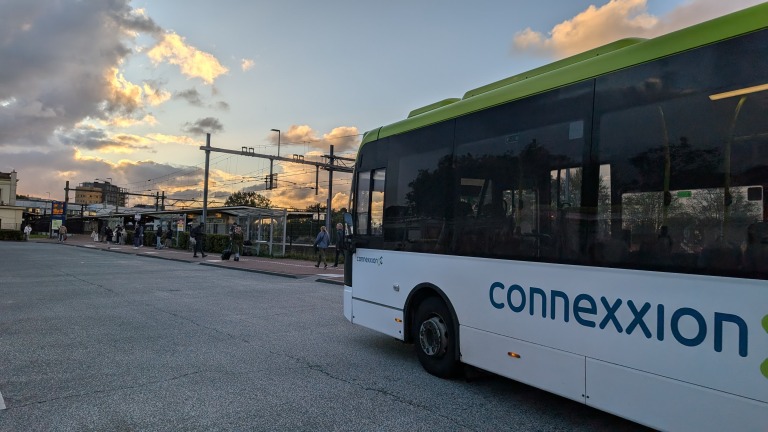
(418, 200)
(684, 144)
(519, 177)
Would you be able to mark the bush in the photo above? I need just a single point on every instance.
(11, 235)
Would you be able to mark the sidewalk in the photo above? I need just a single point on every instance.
(274, 266)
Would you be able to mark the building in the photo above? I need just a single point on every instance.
(97, 192)
(10, 214)
(85, 195)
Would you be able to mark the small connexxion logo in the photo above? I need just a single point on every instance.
(368, 260)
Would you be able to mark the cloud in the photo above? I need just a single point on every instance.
(174, 139)
(221, 105)
(203, 126)
(192, 62)
(247, 64)
(90, 138)
(154, 95)
(122, 96)
(343, 138)
(126, 122)
(617, 19)
(192, 96)
(55, 55)
(39, 175)
(60, 65)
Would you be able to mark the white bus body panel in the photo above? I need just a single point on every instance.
(676, 406)
(552, 370)
(377, 317)
(687, 355)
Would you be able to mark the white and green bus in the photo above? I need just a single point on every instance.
(596, 228)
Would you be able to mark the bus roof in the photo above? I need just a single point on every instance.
(587, 65)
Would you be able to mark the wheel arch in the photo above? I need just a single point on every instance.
(417, 295)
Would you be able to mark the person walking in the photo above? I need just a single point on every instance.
(108, 235)
(198, 233)
(62, 233)
(321, 244)
(27, 231)
(339, 243)
(236, 240)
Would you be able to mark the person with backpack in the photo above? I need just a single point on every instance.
(322, 242)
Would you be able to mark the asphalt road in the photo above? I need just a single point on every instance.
(101, 341)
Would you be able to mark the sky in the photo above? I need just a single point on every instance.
(125, 91)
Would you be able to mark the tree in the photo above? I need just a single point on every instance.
(249, 198)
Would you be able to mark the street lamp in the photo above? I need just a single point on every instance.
(278, 140)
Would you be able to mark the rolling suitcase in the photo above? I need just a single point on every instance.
(226, 254)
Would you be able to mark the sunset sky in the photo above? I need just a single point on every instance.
(127, 89)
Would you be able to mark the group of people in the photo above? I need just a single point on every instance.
(115, 236)
(322, 241)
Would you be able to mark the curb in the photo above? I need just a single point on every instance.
(267, 272)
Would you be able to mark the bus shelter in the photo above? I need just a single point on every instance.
(262, 226)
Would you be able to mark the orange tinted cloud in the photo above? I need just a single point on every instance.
(589, 29)
(247, 64)
(191, 61)
(619, 19)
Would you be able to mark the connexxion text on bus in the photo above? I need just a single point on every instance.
(596, 227)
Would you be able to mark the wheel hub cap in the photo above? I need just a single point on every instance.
(432, 337)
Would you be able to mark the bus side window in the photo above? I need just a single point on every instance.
(370, 202)
(363, 202)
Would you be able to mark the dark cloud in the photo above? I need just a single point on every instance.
(98, 139)
(56, 55)
(203, 126)
(192, 96)
(222, 106)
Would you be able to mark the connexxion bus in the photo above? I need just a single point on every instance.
(596, 227)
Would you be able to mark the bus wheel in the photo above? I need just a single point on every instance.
(435, 341)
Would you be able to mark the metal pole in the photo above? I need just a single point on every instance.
(66, 201)
(330, 194)
(271, 234)
(269, 183)
(205, 186)
(285, 226)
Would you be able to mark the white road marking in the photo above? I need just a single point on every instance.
(2, 402)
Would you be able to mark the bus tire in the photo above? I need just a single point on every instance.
(434, 338)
